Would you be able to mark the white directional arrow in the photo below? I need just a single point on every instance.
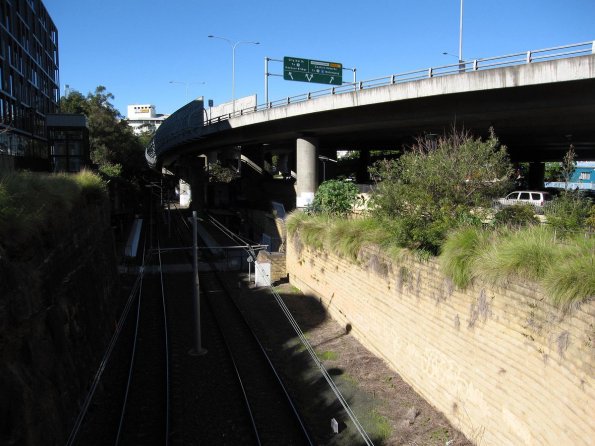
(290, 75)
(309, 77)
(332, 79)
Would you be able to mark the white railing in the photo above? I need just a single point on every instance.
(527, 57)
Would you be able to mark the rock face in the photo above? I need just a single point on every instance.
(58, 308)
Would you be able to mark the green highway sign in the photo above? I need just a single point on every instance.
(317, 71)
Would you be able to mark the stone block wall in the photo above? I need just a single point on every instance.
(502, 364)
(277, 262)
(58, 309)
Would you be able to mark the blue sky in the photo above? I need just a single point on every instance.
(135, 47)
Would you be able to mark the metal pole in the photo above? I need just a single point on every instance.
(461, 35)
(197, 349)
(266, 80)
(233, 75)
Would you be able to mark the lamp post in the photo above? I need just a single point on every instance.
(324, 159)
(461, 62)
(233, 64)
(187, 84)
(461, 34)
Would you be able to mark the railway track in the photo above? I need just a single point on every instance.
(150, 391)
(274, 418)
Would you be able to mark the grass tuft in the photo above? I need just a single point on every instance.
(459, 252)
(527, 253)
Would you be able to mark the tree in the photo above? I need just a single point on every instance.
(111, 140)
(438, 184)
(568, 165)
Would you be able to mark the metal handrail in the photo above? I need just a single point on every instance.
(465, 66)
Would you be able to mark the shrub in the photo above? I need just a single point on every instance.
(335, 197)
(590, 221)
(92, 187)
(516, 215)
(568, 212)
(436, 185)
(32, 205)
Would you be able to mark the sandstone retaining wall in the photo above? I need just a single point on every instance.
(502, 364)
(58, 310)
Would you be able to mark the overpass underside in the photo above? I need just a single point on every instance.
(536, 110)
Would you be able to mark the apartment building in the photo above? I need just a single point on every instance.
(29, 82)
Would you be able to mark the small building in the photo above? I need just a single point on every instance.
(582, 178)
(144, 118)
(68, 140)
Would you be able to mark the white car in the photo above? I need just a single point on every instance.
(533, 197)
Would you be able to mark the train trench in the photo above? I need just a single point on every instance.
(256, 381)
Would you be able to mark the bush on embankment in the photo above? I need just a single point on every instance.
(33, 204)
(564, 267)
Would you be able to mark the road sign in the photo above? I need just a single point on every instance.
(316, 71)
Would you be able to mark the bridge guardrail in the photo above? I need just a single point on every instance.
(527, 57)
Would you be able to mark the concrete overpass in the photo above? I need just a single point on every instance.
(538, 102)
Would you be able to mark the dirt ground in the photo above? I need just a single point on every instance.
(390, 410)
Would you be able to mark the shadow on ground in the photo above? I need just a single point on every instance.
(317, 402)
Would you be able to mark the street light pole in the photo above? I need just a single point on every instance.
(461, 35)
(324, 159)
(186, 84)
(233, 64)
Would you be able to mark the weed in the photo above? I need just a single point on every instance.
(327, 356)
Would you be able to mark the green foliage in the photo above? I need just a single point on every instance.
(590, 221)
(110, 170)
(564, 267)
(311, 230)
(572, 280)
(436, 185)
(346, 237)
(459, 252)
(32, 204)
(294, 221)
(221, 174)
(328, 355)
(568, 164)
(92, 187)
(111, 139)
(568, 212)
(516, 215)
(526, 253)
(335, 197)
(553, 172)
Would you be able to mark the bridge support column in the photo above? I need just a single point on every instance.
(307, 174)
(536, 175)
(362, 175)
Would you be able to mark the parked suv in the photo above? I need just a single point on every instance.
(533, 197)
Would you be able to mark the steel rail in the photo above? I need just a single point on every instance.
(166, 340)
(238, 374)
(131, 367)
(270, 363)
(227, 347)
(308, 347)
(107, 355)
(133, 354)
(260, 346)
